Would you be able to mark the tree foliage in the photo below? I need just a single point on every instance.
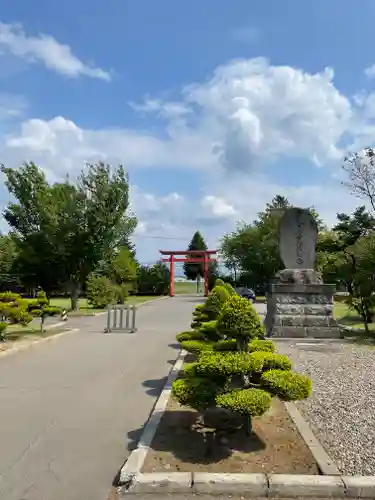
(153, 280)
(64, 230)
(13, 310)
(360, 169)
(251, 252)
(195, 271)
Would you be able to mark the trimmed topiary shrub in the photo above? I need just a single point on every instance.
(190, 335)
(214, 302)
(219, 282)
(13, 310)
(196, 346)
(240, 371)
(225, 345)
(247, 402)
(40, 308)
(209, 330)
(287, 385)
(240, 321)
(261, 345)
(230, 289)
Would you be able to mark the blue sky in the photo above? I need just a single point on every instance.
(213, 106)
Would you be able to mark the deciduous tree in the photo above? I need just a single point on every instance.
(64, 230)
(195, 271)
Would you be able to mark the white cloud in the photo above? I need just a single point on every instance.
(219, 207)
(247, 115)
(370, 71)
(45, 49)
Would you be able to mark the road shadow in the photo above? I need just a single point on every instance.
(155, 386)
(175, 345)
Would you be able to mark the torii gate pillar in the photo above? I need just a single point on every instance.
(193, 257)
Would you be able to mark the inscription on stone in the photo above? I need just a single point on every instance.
(298, 235)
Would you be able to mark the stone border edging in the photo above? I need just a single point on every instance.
(331, 484)
(136, 459)
(253, 485)
(23, 347)
(326, 465)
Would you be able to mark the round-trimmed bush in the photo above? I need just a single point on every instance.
(239, 320)
(230, 289)
(195, 392)
(196, 346)
(189, 335)
(287, 385)
(247, 402)
(225, 345)
(264, 361)
(261, 345)
(209, 330)
(215, 302)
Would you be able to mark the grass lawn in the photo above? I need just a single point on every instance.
(17, 332)
(86, 308)
(188, 287)
(349, 317)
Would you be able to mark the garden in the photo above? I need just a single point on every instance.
(227, 412)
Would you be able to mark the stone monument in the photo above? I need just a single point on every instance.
(299, 304)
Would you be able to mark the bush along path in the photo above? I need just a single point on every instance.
(235, 368)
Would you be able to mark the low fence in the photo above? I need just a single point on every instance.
(121, 318)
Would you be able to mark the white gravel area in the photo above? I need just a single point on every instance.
(341, 411)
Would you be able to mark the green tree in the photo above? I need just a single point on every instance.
(195, 271)
(153, 279)
(122, 267)
(346, 257)
(65, 230)
(252, 250)
(100, 291)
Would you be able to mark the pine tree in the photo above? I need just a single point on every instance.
(195, 271)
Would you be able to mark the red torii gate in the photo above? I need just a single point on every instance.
(204, 258)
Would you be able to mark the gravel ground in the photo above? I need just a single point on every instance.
(341, 411)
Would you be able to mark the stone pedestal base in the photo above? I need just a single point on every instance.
(301, 310)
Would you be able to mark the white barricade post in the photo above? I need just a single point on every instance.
(121, 318)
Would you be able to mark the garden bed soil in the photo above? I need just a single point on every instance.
(275, 445)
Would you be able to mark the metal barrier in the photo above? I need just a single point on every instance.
(121, 318)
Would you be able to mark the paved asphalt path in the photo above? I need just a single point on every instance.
(73, 408)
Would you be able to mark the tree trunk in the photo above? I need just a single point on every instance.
(198, 283)
(249, 425)
(74, 296)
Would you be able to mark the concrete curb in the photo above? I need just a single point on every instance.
(136, 459)
(326, 465)
(253, 485)
(24, 347)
